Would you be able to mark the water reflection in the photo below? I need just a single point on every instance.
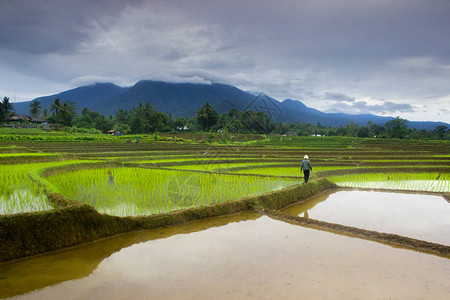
(37, 272)
(304, 208)
(420, 216)
(261, 259)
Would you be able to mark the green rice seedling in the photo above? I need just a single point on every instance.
(137, 191)
(284, 171)
(204, 167)
(310, 141)
(26, 154)
(18, 193)
(194, 159)
(222, 167)
(24, 200)
(434, 182)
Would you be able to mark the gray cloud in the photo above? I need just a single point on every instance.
(338, 97)
(174, 56)
(362, 107)
(45, 26)
(395, 107)
(397, 50)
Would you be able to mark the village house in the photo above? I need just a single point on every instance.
(290, 133)
(114, 132)
(24, 118)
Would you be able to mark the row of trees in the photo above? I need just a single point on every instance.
(145, 119)
(258, 122)
(395, 128)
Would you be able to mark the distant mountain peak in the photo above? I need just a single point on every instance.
(184, 99)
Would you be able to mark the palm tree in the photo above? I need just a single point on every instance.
(55, 107)
(45, 114)
(66, 112)
(35, 108)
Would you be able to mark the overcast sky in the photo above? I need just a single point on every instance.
(385, 57)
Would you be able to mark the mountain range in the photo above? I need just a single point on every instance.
(184, 99)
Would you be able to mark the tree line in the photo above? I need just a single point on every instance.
(144, 118)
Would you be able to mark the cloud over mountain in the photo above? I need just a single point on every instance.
(396, 50)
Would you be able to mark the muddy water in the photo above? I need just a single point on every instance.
(240, 257)
(420, 216)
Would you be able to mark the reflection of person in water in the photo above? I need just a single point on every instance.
(306, 215)
(306, 167)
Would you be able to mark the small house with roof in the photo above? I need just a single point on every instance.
(24, 118)
(114, 132)
(290, 133)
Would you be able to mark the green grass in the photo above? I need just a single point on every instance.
(137, 191)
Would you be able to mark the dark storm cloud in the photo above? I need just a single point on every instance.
(43, 26)
(349, 30)
(397, 50)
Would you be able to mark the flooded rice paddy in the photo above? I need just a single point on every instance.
(138, 191)
(419, 216)
(421, 181)
(413, 185)
(233, 257)
(23, 200)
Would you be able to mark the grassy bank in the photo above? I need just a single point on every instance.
(73, 223)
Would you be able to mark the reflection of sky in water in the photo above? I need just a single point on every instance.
(260, 259)
(425, 217)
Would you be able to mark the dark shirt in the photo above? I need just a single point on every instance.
(306, 165)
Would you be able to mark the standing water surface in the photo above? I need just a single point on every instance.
(233, 257)
(419, 216)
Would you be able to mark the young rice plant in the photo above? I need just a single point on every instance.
(137, 191)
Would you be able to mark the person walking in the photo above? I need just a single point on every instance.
(306, 167)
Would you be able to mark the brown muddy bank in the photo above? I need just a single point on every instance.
(73, 223)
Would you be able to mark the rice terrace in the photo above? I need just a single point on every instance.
(137, 217)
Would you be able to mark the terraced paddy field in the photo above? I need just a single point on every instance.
(236, 257)
(200, 215)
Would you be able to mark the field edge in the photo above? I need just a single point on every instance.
(75, 223)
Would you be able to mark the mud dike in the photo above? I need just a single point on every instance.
(74, 223)
(380, 237)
